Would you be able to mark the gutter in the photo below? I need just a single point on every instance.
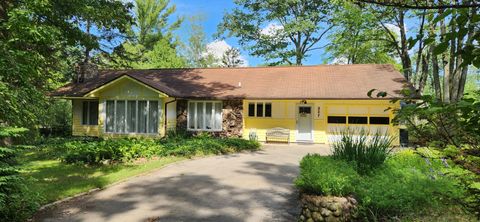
(165, 121)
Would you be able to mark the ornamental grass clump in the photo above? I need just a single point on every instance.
(366, 151)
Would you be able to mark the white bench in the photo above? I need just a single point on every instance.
(278, 134)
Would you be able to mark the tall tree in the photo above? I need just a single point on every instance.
(196, 51)
(231, 58)
(152, 42)
(357, 37)
(281, 31)
(34, 37)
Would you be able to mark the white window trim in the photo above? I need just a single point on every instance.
(204, 112)
(136, 117)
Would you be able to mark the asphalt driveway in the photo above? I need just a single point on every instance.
(255, 186)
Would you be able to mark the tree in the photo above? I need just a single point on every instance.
(281, 31)
(196, 51)
(152, 43)
(34, 37)
(231, 58)
(357, 37)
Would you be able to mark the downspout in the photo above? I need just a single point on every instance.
(165, 119)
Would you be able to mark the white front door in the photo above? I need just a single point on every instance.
(304, 123)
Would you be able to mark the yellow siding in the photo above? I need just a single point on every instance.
(284, 115)
(124, 88)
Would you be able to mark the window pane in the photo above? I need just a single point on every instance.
(120, 117)
(251, 109)
(268, 110)
(191, 115)
(93, 113)
(380, 120)
(218, 116)
(142, 116)
(208, 115)
(357, 120)
(131, 116)
(305, 110)
(337, 119)
(153, 117)
(85, 112)
(200, 115)
(110, 115)
(259, 109)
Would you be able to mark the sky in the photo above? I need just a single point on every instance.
(213, 11)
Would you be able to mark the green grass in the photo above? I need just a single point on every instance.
(55, 180)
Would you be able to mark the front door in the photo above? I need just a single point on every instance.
(304, 123)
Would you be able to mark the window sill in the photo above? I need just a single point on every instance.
(205, 130)
(131, 134)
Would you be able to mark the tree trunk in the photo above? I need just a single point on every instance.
(446, 70)
(436, 75)
(469, 41)
(406, 62)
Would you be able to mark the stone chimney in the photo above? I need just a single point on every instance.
(85, 71)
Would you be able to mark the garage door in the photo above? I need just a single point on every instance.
(356, 118)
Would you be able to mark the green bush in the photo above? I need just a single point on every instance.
(116, 150)
(17, 203)
(323, 175)
(364, 150)
(406, 184)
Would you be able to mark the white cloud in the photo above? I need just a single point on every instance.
(339, 61)
(395, 29)
(218, 47)
(271, 29)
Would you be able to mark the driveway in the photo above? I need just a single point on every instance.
(250, 186)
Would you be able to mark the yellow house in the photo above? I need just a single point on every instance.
(312, 103)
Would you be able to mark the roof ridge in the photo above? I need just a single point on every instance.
(252, 67)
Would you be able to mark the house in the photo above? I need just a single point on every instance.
(313, 102)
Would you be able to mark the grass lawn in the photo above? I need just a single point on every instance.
(55, 180)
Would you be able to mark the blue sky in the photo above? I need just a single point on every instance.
(213, 11)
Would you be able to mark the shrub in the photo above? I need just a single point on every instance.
(98, 151)
(17, 203)
(406, 184)
(326, 176)
(364, 150)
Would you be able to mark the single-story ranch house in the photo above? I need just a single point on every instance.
(312, 102)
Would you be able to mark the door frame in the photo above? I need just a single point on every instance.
(311, 105)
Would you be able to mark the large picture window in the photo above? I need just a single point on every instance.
(205, 115)
(90, 113)
(132, 116)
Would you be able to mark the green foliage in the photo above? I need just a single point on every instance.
(357, 37)
(16, 201)
(366, 151)
(195, 51)
(117, 150)
(405, 185)
(36, 36)
(408, 184)
(324, 175)
(282, 32)
(449, 123)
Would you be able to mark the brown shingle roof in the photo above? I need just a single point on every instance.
(294, 82)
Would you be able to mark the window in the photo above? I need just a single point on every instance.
(357, 120)
(380, 120)
(305, 110)
(268, 110)
(205, 115)
(260, 109)
(90, 113)
(251, 109)
(337, 119)
(131, 116)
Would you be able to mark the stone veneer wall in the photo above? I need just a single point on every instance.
(232, 118)
(327, 208)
